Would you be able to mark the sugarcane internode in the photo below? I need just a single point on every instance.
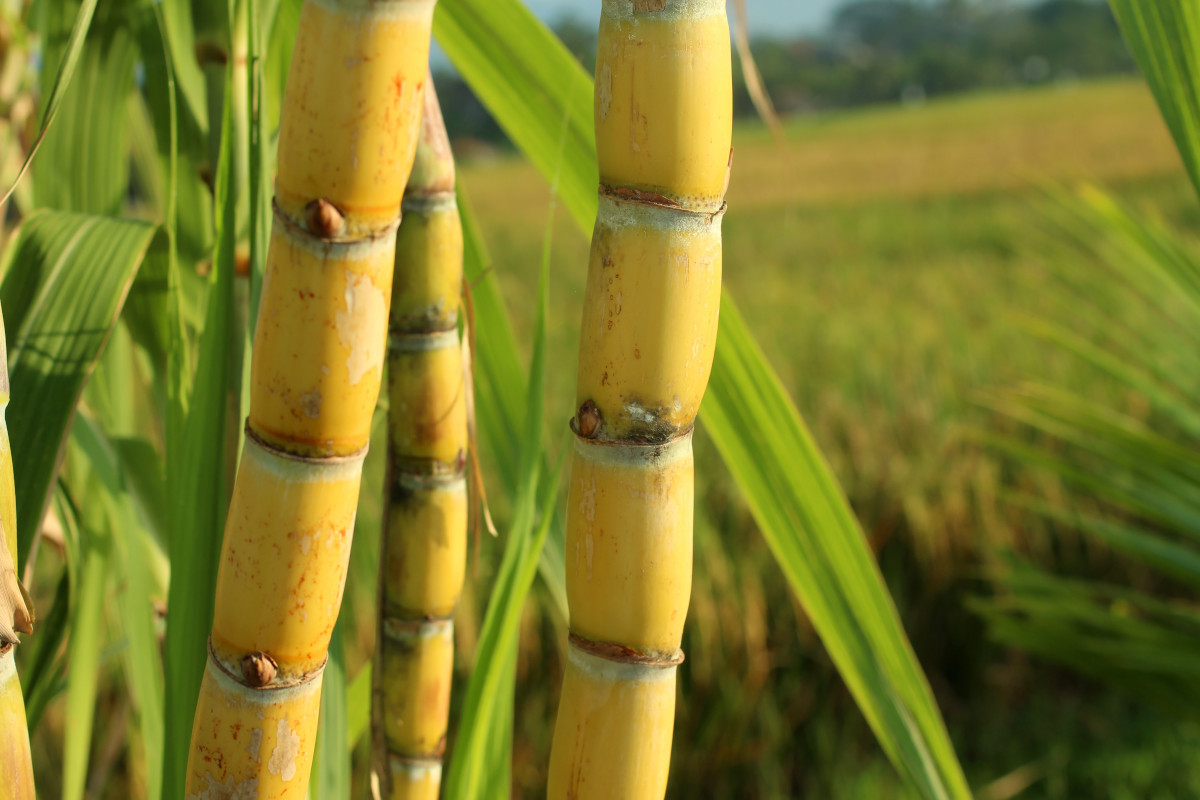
(663, 115)
(16, 616)
(423, 556)
(347, 138)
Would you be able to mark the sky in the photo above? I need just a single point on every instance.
(766, 16)
(783, 17)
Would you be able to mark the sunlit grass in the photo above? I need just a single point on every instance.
(976, 143)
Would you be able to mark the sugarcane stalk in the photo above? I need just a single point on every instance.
(424, 539)
(663, 123)
(347, 139)
(16, 615)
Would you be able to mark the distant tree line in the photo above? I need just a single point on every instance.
(879, 51)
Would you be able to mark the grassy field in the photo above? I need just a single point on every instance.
(887, 260)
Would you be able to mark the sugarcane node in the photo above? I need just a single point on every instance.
(404, 627)
(641, 196)
(324, 219)
(588, 421)
(623, 654)
(409, 762)
(211, 54)
(401, 340)
(276, 445)
(259, 669)
(431, 320)
(410, 474)
(425, 200)
(241, 261)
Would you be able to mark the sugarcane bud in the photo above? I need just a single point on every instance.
(258, 669)
(587, 421)
(323, 218)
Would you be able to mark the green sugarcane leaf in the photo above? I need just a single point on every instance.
(146, 483)
(1164, 36)
(1141, 645)
(66, 277)
(278, 55)
(259, 151)
(358, 707)
(501, 392)
(1141, 470)
(88, 173)
(1112, 457)
(181, 142)
(480, 766)
(196, 461)
(71, 52)
(42, 677)
(482, 760)
(330, 776)
(142, 666)
(179, 42)
(530, 84)
(85, 642)
(817, 542)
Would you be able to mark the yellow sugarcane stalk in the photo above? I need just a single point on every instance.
(663, 121)
(424, 540)
(16, 614)
(347, 138)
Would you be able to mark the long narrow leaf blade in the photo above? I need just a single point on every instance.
(66, 279)
(134, 596)
(83, 652)
(195, 480)
(331, 765)
(482, 758)
(62, 79)
(1164, 36)
(529, 83)
(89, 173)
(818, 544)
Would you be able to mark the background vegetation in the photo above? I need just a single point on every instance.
(915, 251)
(884, 51)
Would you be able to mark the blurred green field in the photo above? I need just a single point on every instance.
(887, 261)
